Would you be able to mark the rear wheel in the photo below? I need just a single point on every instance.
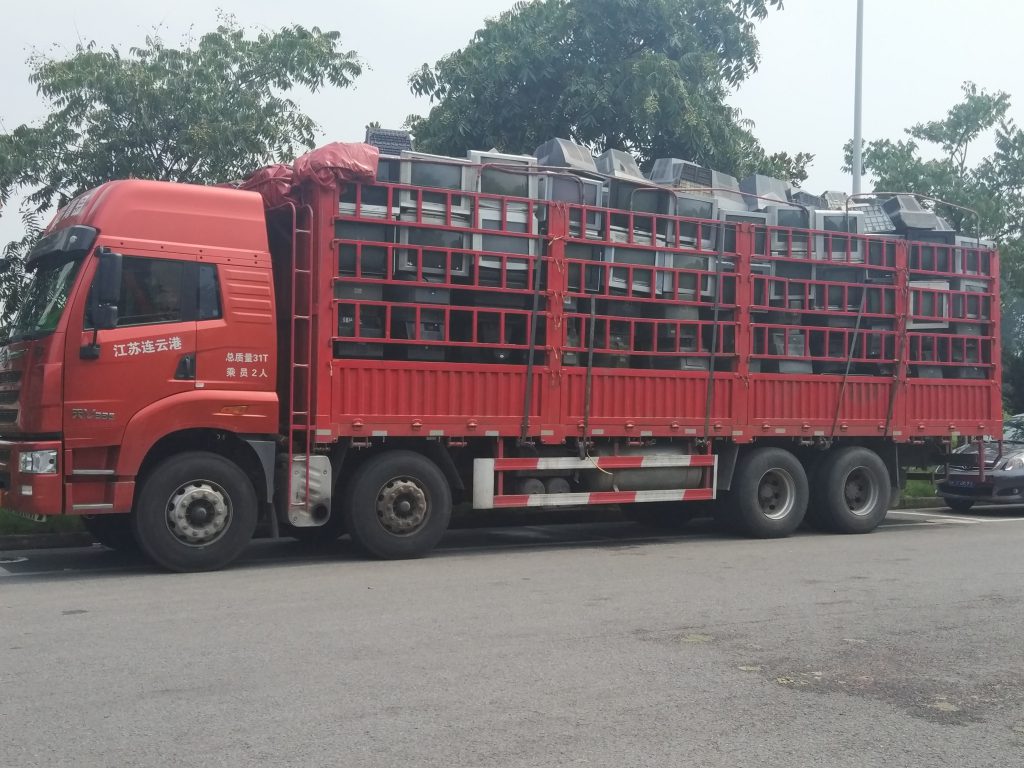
(959, 505)
(851, 491)
(769, 494)
(195, 512)
(112, 531)
(398, 505)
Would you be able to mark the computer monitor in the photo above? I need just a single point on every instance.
(690, 205)
(833, 248)
(575, 190)
(505, 241)
(438, 172)
(789, 234)
(562, 153)
(499, 174)
(434, 261)
(619, 277)
(373, 199)
(639, 197)
(929, 299)
(618, 163)
(761, 190)
(758, 218)
(682, 174)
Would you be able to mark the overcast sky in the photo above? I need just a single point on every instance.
(916, 55)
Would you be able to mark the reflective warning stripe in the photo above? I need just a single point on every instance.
(603, 462)
(600, 497)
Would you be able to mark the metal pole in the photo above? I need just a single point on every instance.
(857, 87)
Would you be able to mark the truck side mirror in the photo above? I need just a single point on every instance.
(107, 291)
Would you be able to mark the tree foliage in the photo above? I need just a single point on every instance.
(649, 76)
(936, 160)
(208, 111)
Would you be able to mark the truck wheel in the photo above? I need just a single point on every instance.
(769, 494)
(112, 531)
(959, 505)
(398, 505)
(195, 512)
(851, 491)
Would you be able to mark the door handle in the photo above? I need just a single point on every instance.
(186, 370)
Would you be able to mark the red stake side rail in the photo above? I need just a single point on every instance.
(645, 325)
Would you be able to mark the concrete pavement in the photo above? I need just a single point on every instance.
(597, 645)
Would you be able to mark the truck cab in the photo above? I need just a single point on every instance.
(147, 333)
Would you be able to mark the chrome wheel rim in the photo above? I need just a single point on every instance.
(403, 506)
(776, 493)
(198, 513)
(859, 492)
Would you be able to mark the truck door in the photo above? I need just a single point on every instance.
(148, 357)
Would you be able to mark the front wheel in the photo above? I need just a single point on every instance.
(195, 512)
(398, 505)
(769, 494)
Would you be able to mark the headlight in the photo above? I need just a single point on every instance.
(1013, 463)
(38, 462)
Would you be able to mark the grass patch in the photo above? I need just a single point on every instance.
(12, 525)
(919, 489)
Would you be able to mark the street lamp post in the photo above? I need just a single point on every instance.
(857, 86)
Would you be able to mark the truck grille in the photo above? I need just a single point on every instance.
(9, 397)
(10, 377)
(8, 417)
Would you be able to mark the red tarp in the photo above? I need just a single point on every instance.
(328, 165)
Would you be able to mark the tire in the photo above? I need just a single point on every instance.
(112, 531)
(959, 505)
(851, 491)
(769, 493)
(170, 527)
(398, 505)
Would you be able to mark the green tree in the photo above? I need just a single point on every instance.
(936, 160)
(649, 76)
(209, 111)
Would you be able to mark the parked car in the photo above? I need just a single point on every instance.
(1003, 481)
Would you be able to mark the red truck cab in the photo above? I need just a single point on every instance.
(148, 328)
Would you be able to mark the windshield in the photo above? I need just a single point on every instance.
(1013, 432)
(45, 297)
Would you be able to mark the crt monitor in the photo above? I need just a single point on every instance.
(640, 198)
(508, 181)
(837, 248)
(434, 261)
(437, 172)
(562, 153)
(789, 218)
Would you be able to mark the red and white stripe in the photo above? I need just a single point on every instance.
(484, 481)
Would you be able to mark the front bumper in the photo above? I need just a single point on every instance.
(998, 487)
(29, 494)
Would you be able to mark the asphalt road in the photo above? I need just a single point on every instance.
(591, 645)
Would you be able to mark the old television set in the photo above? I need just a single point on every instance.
(440, 173)
(837, 247)
(371, 201)
(969, 258)
(575, 190)
(639, 197)
(789, 234)
(427, 242)
(505, 241)
(562, 153)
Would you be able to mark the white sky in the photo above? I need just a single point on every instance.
(917, 53)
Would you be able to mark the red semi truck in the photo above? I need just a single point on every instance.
(360, 343)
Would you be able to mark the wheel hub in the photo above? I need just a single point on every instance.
(402, 506)
(198, 513)
(776, 493)
(859, 492)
